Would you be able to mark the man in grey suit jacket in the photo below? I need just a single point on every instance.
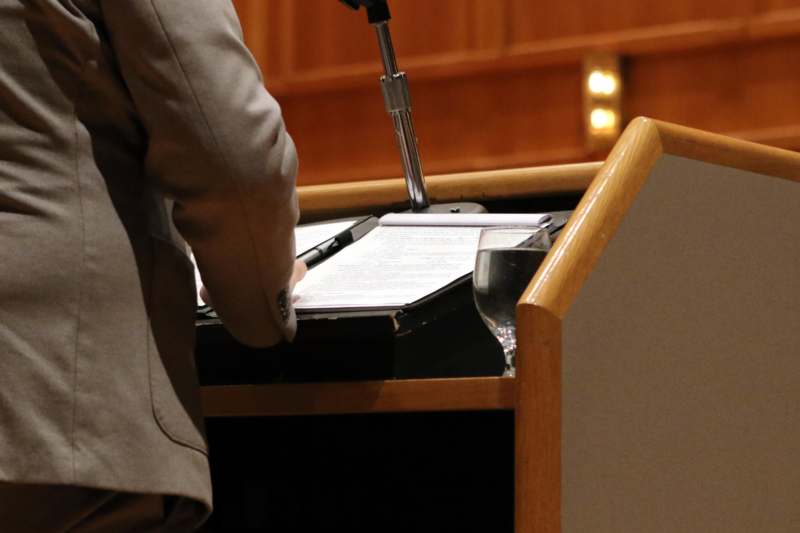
(105, 106)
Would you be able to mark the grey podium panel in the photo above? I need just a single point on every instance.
(681, 361)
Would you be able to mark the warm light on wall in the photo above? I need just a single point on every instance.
(603, 119)
(602, 97)
(602, 82)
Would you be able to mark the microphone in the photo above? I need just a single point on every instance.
(394, 86)
(377, 10)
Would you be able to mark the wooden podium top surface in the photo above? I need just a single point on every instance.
(463, 394)
(407, 395)
(341, 199)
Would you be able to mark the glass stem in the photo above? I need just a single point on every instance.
(510, 353)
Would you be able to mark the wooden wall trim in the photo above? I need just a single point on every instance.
(501, 87)
(256, 24)
(490, 19)
(568, 50)
(781, 23)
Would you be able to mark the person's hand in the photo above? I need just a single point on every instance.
(298, 273)
(204, 295)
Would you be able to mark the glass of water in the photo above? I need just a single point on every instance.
(506, 262)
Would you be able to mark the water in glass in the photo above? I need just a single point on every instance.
(502, 273)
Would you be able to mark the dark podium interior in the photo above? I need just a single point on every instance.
(421, 471)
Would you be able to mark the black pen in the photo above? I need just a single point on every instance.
(324, 250)
(328, 248)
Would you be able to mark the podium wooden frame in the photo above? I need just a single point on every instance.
(635, 331)
(366, 197)
(563, 478)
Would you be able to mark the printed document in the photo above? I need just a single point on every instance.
(390, 267)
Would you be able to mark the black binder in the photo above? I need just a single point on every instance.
(440, 335)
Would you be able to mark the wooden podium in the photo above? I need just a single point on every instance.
(659, 379)
(658, 384)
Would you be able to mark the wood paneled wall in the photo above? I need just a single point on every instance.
(497, 83)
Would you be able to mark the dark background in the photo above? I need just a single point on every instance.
(380, 472)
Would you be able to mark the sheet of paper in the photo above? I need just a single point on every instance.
(464, 219)
(309, 235)
(391, 266)
(306, 237)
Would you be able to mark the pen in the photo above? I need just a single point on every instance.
(323, 251)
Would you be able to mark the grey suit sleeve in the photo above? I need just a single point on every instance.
(218, 147)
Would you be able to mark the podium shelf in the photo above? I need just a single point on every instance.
(407, 395)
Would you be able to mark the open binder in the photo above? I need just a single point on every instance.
(429, 330)
(314, 243)
(320, 241)
(405, 260)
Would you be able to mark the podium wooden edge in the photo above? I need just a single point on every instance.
(397, 395)
(391, 396)
(363, 196)
(543, 306)
(619, 180)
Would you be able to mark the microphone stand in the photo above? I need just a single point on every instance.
(394, 85)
